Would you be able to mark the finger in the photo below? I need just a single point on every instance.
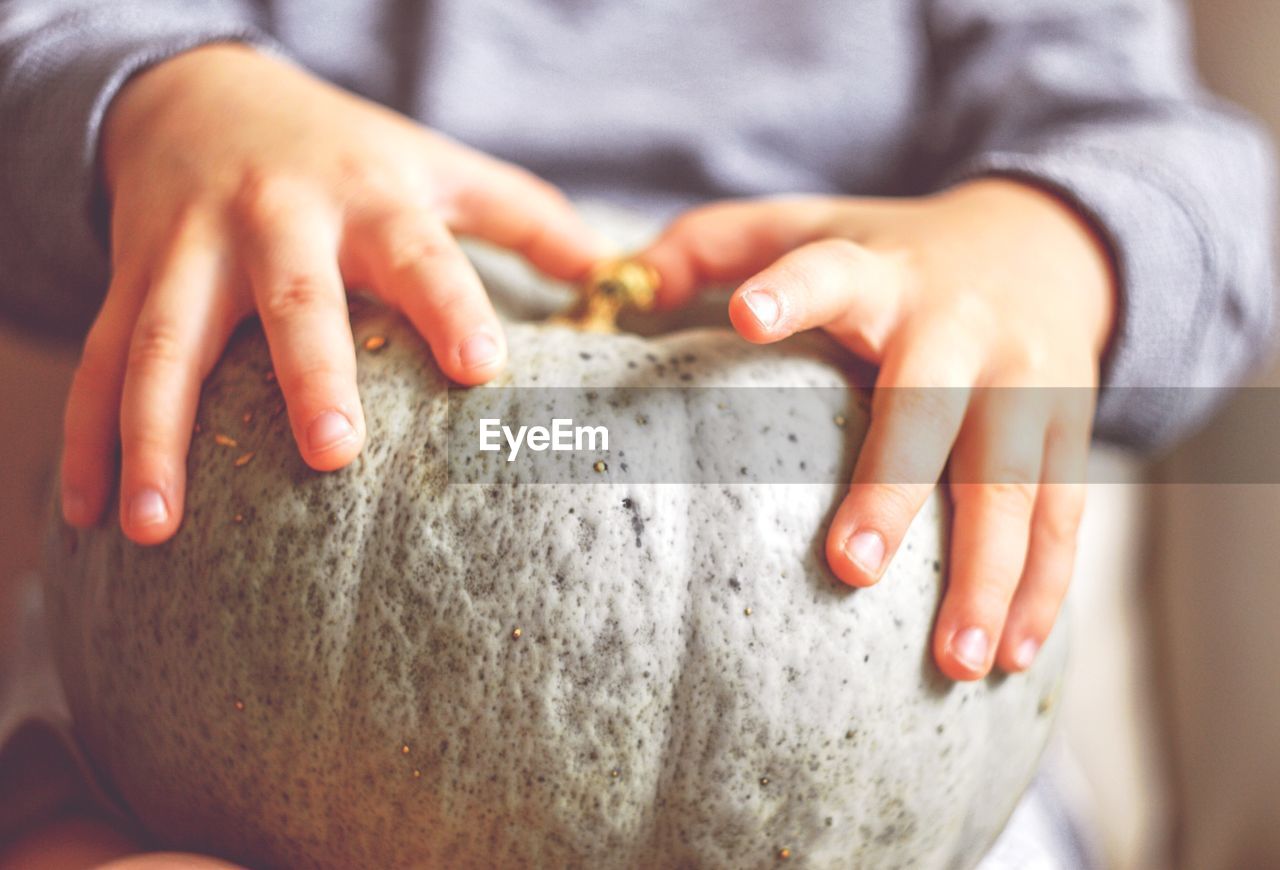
(917, 408)
(1055, 526)
(290, 257)
(417, 266)
(181, 329)
(91, 428)
(850, 290)
(515, 209)
(995, 470)
(730, 241)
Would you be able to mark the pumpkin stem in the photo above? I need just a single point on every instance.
(610, 288)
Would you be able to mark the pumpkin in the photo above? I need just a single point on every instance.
(414, 663)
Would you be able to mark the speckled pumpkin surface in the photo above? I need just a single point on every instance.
(388, 667)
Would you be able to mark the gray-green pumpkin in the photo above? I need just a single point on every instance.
(389, 667)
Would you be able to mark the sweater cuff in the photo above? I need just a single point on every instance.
(61, 79)
(1152, 370)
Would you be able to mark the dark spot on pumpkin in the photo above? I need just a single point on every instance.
(792, 437)
(584, 355)
(637, 522)
(735, 584)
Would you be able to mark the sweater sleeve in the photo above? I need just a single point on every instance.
(61, 63)
(1097, 101)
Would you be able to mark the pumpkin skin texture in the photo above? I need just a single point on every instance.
(333, 679)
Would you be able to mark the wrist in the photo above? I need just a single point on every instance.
(1063, 239)
(144, 97)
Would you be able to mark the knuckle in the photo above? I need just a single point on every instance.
(1009, 495)
(897, 503)
(364, 176)
(453, 304)
(149, 446)
(847, 254)
(292, 295)
(1060, 523)
(406, 252)
(264, 196)
(932, 407)
(156, 344)
(1025, 356)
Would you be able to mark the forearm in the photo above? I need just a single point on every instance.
(1177, 184)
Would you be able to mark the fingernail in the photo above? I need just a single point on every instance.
(328, 431)
(866, 550)
(970, 648)
(74, 506)
(147, 508)
(1026, 653)
(478, 350)
(763, 306)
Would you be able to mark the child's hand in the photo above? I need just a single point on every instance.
(992, 284)
(240, 183)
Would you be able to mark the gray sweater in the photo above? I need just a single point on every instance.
(664, 103)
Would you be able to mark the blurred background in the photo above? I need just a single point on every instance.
(1172, 711)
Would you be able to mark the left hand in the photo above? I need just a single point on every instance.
(991, 284)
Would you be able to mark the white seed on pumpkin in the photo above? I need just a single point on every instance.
(417, 774)
(840, 420)
(404, 750)
(747, 611)
(784, 853)
(516, 633)
(600, 466)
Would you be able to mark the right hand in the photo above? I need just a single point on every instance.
(240, 184)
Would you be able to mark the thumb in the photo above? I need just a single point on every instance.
(514, 209)
(727, 242)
